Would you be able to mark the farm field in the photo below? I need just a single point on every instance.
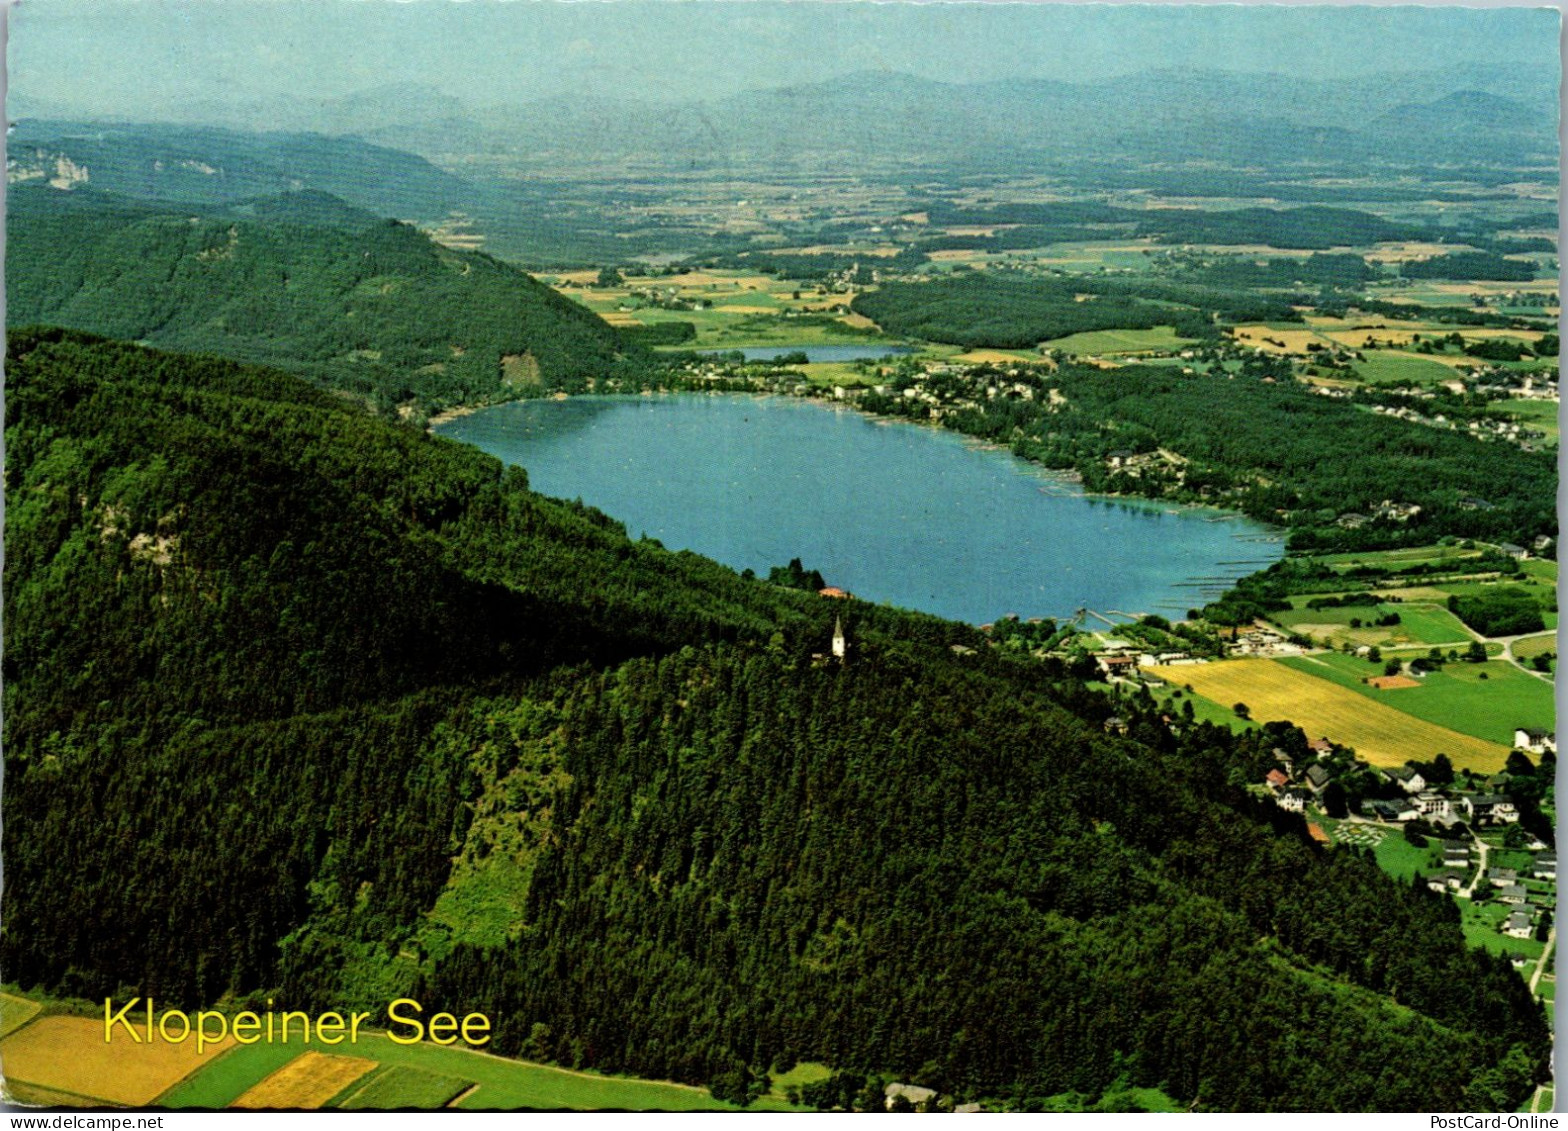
(62, 1060)
(1455, 697)
(401, 1086)
(1534, 645)
(489, 1082)
(746, 308)
(1380, 734)
(308, 1081)
(1406, 556)
(69, 1055)
(1398, 367)
(15, 1012)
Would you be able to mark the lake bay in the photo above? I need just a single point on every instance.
(893, 512)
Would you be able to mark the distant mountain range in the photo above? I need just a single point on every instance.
(1486, 115)
(213, 165)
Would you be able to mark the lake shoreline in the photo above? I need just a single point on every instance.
(950, 535)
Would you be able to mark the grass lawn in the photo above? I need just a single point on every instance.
(1401, 859)
(1203, 710)
(1540, 568)
(1481, 923)
(806, 1072)
(1456, 697)
(1399, 367)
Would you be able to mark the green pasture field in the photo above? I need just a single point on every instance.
(501, 1083)
(1532, 414)
(1542, 569)
(1456, 697)
(1121, 341)
(401, 1086)
(1419, 624)
(1398, 367)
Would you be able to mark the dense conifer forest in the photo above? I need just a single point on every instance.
(307, 705)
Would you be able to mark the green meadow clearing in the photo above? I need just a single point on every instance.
(1419, 624)
(1456, 697)
(1121, 341)
(1534, 414)
(1398, 367)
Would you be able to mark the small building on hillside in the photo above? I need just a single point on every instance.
(1317, 778)
(1512, 893)
(1544, 867)
(1277, 779)
(1406, 778)
(1502, 877)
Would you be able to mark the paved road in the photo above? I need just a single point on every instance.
(1508, 643)
(1540, 967)
(1480, 871)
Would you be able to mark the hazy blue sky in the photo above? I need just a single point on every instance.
(144, 55)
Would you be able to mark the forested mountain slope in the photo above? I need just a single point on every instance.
(377, 309)
(303, 705)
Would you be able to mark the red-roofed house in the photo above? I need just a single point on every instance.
(1277, 779)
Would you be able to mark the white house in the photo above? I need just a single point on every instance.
(1535, 741)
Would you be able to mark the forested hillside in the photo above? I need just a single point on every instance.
(373, 308)
(986, 309)
(304, 705)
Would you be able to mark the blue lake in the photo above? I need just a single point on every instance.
(893, 512)
(817, 353)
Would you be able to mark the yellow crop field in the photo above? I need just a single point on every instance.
(1380, 734)
(69, 1054)
(1263, 338)
(307, 1081)
(15, 1012)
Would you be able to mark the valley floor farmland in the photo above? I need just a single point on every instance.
(1380, 734)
